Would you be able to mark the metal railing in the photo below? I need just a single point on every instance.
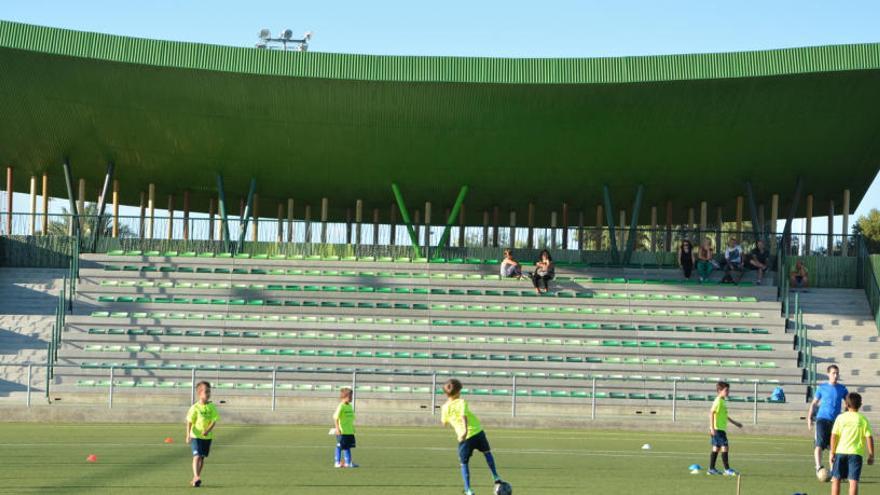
(273, 384)
(867, 279)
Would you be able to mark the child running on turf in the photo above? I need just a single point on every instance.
(849, 437)
(343, 418)
(200, 422)
(718, 420)
(467, 428)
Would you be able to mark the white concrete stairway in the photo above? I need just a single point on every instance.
(27, 313)
(842, 329)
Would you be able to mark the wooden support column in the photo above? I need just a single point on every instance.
(461, 226)
(704, 216)
(9, 193)
(290, 219)
(170, 216)
(33, 205)
(495, 220)
(45, 224)
(553, 230)
(255, 218)
(530, 223)
(115, 228)
(211, 218)
(151, 207)
(485, 228)
(774, 218)
(417, 225)
(349, 227)
(375, 226)
(325, 206)
(844, 231)
(831, 228)
(653, 229)
(392, 215)
(448, 237)
(668, 243)
(719, 222)
(808, 242)
(739, 216)
(564, 225)
(186, 215)
(81, 205)
(512, 229)
(141, 225)
(691, 220)
(428, 224)
(597, 232)
(580, 230)
(308, 224)
(279, 237)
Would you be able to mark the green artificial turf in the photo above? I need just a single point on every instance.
(279, 459)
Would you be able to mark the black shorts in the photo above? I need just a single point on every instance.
(200, 447)
(345, 442)
(477, 442)
(823, 433)
(719, 439)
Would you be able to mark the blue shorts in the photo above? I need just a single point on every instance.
(477, 442)
(719, 439)
(345, 442)
(823, 433)
(847, 467)
(200, 447)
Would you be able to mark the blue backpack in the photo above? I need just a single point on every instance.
(778, 395)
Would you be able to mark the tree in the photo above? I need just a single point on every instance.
(868, 226)
(88, 218)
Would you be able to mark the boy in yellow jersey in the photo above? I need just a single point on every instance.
(849, 437)
(470, 434)
(718, 420)
(200, 422)
(343, 418)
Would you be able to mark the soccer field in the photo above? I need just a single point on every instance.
(277, 459)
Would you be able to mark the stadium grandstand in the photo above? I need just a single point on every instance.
(284, 224)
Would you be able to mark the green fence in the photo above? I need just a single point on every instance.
(840, 272)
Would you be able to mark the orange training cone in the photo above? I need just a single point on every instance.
(169, 440)
(92, 458)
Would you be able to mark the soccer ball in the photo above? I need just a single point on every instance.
(503, 488)
(823, 475)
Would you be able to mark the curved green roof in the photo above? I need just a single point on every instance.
(307, 125)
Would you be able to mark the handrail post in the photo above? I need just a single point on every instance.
(192, 387)
(112, 371)
(674, 398)
(29, 373)
(434, 393)
(354, 380)
(755, 412)
(274, 385)
(513, 399)
(593, 404)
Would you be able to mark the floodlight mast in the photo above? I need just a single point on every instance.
(286, 41)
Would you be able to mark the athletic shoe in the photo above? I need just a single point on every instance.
(713, 472)
(730, 472)
(352, 465)
(338, 465)
(468, 492)
(197, 483)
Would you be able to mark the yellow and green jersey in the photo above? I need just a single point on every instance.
(202, 416)
(345, 415)
(852, 428)
(455, 412)
(719, 407)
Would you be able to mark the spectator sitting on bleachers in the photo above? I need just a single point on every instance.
(759, 259)
(705, 260)
(733, 262)
(509, 266)
(544, 271)
(686, 258)
(799, 278)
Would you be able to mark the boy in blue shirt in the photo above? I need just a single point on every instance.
(828, 398)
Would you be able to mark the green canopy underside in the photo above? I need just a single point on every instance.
(690, 128)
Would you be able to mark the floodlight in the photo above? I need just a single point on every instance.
(265, 34)
(287, 34)
(308, 35)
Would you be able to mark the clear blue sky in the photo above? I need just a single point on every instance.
(494, 28)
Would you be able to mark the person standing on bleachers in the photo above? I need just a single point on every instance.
(686, 258)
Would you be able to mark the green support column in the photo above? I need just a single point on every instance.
(452, 215)
(68, 181)
(609, 216)
(102, 204)
(224, 219)
(404, 215)
(633, 223)
(248, 207)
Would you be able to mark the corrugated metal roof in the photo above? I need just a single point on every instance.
(438, 69)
